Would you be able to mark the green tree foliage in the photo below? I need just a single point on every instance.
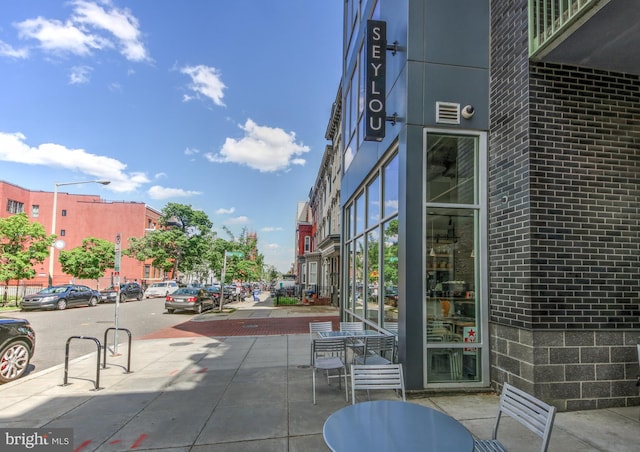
(182, 245)
(90, 260)
(22, 245)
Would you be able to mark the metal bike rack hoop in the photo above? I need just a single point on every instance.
(66, 360)
(104, 356)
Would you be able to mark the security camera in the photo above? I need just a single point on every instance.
(468, 111)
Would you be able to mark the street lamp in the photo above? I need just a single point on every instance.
(55, 214)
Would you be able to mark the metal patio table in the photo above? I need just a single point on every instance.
(391, 425)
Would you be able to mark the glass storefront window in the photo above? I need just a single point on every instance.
(359, 215)
(373, 203)
(452, 301)
(371, 260)
(389, 276)
(372, 276)
(451, 168)
(390, 188)
(360, 282)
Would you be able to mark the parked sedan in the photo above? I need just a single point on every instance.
(61, 297)
(189, 299)
(214, 291)
(17, 345)
(128, 291)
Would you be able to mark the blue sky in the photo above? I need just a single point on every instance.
(222, 105)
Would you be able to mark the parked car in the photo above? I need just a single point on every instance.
(161, 289)
(214, 291)
(17, 345)
(61, 297)
(229, 293)
(128, 291)
(190, 299)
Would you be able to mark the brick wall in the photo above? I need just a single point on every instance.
(585, 198)
(564, 224)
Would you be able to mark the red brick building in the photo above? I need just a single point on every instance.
(79, 217)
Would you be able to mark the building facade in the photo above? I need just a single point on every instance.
(79, 217)
(324, 203)
(491, 216)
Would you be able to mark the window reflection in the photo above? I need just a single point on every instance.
(389, 275)
(373, 203)
(390, 188)
(372, 273)
(359, 276)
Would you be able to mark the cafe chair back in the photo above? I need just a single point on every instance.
(318, 327)
(377, 377)
(529, 411)
(351, 326)
(327, 355)
(377, 350)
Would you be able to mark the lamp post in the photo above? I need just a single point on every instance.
(55, 214)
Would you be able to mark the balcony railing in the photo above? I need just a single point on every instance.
(548, 19)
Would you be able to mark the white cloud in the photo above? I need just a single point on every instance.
(189, 151)
(158, 192)
(271, 229)
(223, 211)
(8, 51)
(84, 32)
(205, 81)
(59, 37)
(79, 75)
(267, 149)
(13, 148)
(160, 175)
(119, 22)
(242, 219)
(273, 246)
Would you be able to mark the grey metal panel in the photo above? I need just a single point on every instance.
(461, 85)
(455, 38)
(410, 253)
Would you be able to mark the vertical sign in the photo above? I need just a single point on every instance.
(375, 110)
(118, 256)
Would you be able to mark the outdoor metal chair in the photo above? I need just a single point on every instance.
(317, 327)
(377, 350)
(534, 414)
(356, 345)
(327, 355)
(386, 376)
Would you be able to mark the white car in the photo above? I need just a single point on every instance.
(161, 289)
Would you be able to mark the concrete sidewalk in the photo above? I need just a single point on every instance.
(245, 393)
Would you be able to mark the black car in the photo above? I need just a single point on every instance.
(61, 297)
(214, 291)
(188, 299)
(17, 345)
(128, 291)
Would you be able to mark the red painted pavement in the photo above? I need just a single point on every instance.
(242, 327)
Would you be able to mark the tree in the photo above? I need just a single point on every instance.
(22, 245)
(183, 243)
(90, 260)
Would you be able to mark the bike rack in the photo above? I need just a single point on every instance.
(66, 360)
(104, 358)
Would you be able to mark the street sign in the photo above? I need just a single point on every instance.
(235, 253)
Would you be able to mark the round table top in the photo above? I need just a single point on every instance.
(391, 425)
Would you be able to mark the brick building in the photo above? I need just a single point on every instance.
(79, 217)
